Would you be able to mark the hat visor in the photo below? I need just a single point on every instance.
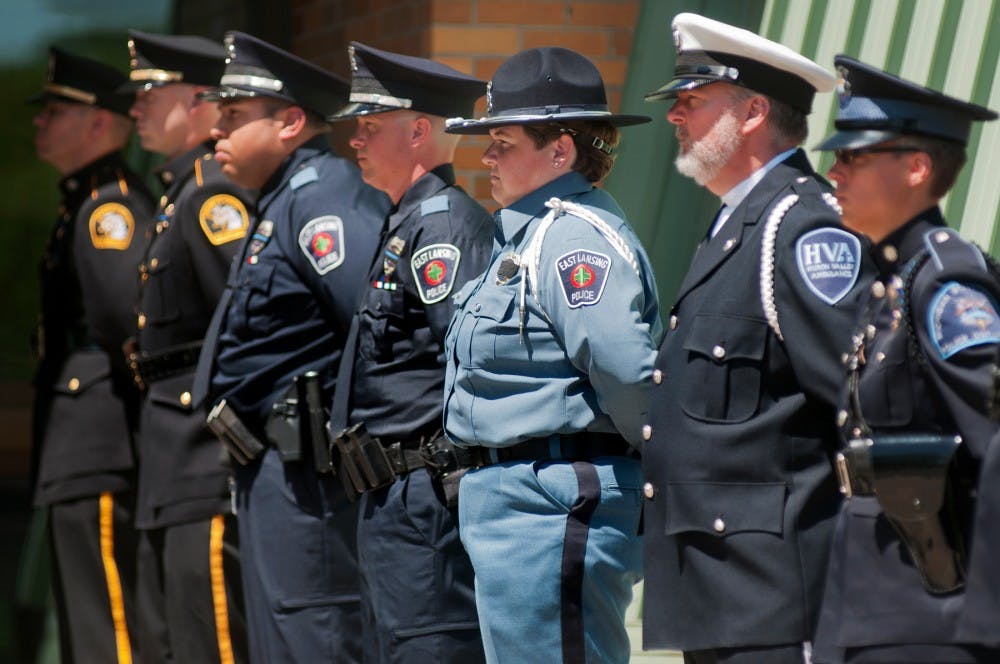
(356, 109)
(671, 89)
(483, 125)
(855, 138)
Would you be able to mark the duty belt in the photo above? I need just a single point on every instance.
(149, 367)
(582, 446)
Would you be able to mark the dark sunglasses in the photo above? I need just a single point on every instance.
(846, 157)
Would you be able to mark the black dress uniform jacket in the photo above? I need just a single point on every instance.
(201, 222)
(874, 595)
(738, 458)
(86, 405)
(399, 367)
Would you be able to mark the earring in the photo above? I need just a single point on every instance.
(556, 163)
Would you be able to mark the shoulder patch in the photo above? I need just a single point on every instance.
(322, 241)
(303, 177)
(583, 275)
(829, 260)
(111, 226)
(434, 204)
(223, 218)
(960, 317)
(434, 270)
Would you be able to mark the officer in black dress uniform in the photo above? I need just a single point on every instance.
(272, 351)
(86, 404)
(910, 580)
(189, 597)
(740, 492)
(417, 594)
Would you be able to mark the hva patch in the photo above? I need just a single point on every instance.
(829, 260)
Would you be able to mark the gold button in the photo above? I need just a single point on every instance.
(647, 432)
(169, 211)
(878, 289)
(153, 263)
(163, 200)
(648, 490)
(890, 253)
(841, 418)
(141, 321)
(719, 525)
(718, 352)
(185, 398)
(73, 384)
(879, 357)
(870, 331)
(673, 322)
(657, 376)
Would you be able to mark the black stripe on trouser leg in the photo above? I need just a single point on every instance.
(574, 550)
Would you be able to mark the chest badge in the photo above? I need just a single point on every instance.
(223, 218)
(261, 236)
(322, 242)
(111, 226)
(509, 265)
(434, 270)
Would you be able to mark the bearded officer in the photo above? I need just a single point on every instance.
(86, 404)
(740, 492)
(189, 597)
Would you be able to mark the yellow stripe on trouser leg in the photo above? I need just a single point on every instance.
(107, 525)
(219, 589)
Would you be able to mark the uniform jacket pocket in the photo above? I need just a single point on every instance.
(82, 371)
(724, 508)
(173, 392)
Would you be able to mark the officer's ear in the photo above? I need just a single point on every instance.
(420, 131)
(294, 121)
(920, 168)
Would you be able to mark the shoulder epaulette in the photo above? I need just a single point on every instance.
(434, 204)
(946, 247)
(303, 177)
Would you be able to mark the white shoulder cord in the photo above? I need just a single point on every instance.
(533, 253)
(767, 241)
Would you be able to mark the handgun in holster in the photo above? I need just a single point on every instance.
(447, 465)
(361, 462)
(912, 485)
(234, 434)
(318, 436)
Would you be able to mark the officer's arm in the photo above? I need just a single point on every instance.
(215, 222)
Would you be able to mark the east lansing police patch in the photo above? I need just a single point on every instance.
(960, 317)
(829, 261)
(434, 270)
(322, 241)
(111, 226)
(583, 275)
(223, 218)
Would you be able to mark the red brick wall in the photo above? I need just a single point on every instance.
(473, 36)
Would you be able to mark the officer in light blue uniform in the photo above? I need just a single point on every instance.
(270, 356)
(549, 359)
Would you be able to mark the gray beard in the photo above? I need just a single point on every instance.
(705, 158)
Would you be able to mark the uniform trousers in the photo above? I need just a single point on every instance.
(189, 598)
(93, 556)
(417, 595)
(788, 654)
(298, 556)
(555, 550)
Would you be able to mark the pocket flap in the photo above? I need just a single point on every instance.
(722, 508)
(724, 338)
(173, 392)
(83, 370)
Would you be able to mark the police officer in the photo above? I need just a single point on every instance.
(85, 403)
(271, 354)
(740, 493)
(549, 358)
(189, 589)
(417, 592)
(915, 420)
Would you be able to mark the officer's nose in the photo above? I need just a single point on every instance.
(674, 115)
(355, 141)
(216, 133)
(489, 156)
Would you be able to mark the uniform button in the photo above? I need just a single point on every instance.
(647, 432)
(169, 211)
(163, 200)
(870, 331)
(730, 243)
(673, 322)
(841, 418)
(153, 263)
(141, 321)
(648, 490)
(718, 352)
(168, 177)
(891, 253)
(478, 307)
(879, 357)
(719, 525)
(657, 376)
(73, 384)
(185, 398)
(941, 236)
(878, 289)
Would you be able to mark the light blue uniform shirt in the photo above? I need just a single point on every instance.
(584, 358)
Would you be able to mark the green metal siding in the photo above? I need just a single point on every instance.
(950, 45)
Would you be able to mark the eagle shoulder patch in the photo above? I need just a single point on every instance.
(223, 218)
(829, 260)
(434, 270)
(111, 226)
(583, 275)
(960, 317)
(322, 241)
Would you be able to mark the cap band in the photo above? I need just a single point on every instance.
(72, 93)
(272, 84)
(381, 100)
(157, 75)
(902, 116)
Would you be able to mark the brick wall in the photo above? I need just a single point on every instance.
(473, 36)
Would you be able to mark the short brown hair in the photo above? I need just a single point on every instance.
(948, 158)
(592, 163)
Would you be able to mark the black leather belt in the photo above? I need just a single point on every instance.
(582, 446)
(147, 368)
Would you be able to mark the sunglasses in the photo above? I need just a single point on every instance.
(846, 157)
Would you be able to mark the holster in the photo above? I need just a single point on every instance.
(234, 434)
(911, 482)
(298, 422)
(448, 464)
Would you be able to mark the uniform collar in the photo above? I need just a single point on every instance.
(179, 168)
(901, 245)
(426, 186)
(514, 218)
(294, 162)
(80, 183)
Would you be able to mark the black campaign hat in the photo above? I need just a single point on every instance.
(83, 80)
(543, 85)
(710, 51)
(161, 59)
(255, 68)
(875, 106)
(383, 81)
